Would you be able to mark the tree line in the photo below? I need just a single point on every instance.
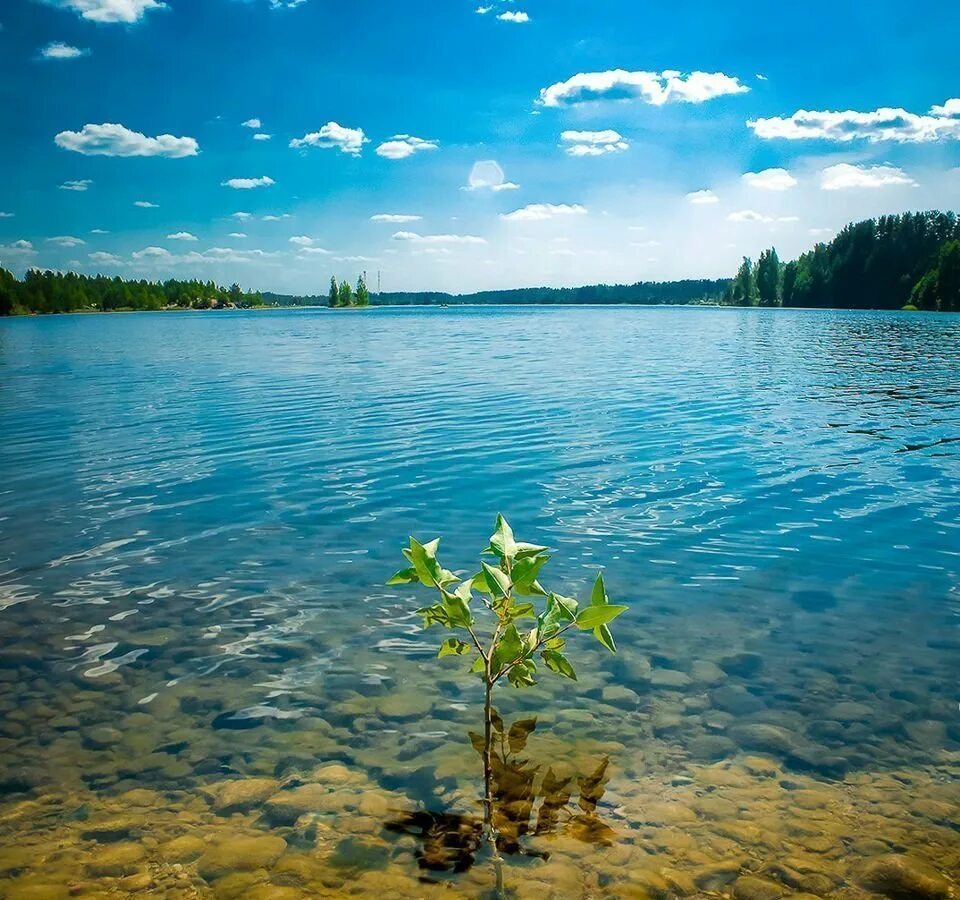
(892, 262)
(62, 292)
(342, 295)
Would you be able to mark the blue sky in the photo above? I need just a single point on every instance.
(277, 143)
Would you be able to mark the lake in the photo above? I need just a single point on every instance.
(208, 691)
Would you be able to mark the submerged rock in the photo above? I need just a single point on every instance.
(904, 878)
(751, 887)
(742, 665)
(243, 795)
(240, 853)
(116, 860)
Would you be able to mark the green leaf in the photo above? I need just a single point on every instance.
(521, 675)
(405, 576)
(598, 596)
(557, 662)
(522, 611)
(497, 582)
(479, 666)
(602, 634)
(457, 611)
(557, 643)
(508, 648)
(501, 541)
(568, 607)
(525, 573)
(524, 550)
(453, 647)
(463, 590)
(434, 615)
(595, 616)
(424, 559)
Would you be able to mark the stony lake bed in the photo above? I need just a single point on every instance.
(206, 690)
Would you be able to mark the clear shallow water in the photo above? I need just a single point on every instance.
(198, 512)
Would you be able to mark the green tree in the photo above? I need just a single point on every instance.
(789, 283)
(345, 294)
(508, 590)
(948, 277)
(744, 291)
(363, 295)
(768, 278)
(8, 289)
(334, 296)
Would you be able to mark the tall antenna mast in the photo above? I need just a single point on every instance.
(378, 282)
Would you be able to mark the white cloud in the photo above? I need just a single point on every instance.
(701, 198)
(414, 238)
(66, 241)
(101, 258)
(7, 215)
(110, 11)
(252, 123)
(236, 234)
(401, 146)
(487, 175)
(483, 10)
(538, 212)
(259, 136)
(242, 216)
(844, 175)
(594, 143)
(182, 236)
(60, 50)
(116, 140)
(248, 184)
(79, 186)
(301, 240)
(394, 218)
(152, 253)
(519, 18)
(146, 204)
(334, 136)
(821, 232)
(655, 88)
(749, 215)
(770, 180)
(17, 247)
(98, 231)
(884, 124)
(354, 259)
(279, 218)
(315, 251)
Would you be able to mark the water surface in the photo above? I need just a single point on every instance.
(198, 512)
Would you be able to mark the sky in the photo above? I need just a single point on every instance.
(458, 146)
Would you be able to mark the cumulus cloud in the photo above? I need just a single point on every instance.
(116, 140)
(146, 204)
(884, 124)
(401, 146)
(101, 258)
(749, 215)
(539, 212)
(79, 186)
(655, 88)
(487, 175)
(242, 216)
(252, 123)
(260, 136)
(770, 180)
(182, 236)
(414, 238)
(334, 136)
(518, 18)
(395, 218)
(844, 175)
(66, 241)
(593, 143)
(110, 11)
(248, 184)
(152, 253)
(301, 240)
(60, 50)
(701, 198)
(17, 248)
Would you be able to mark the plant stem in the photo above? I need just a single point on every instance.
(491, 832)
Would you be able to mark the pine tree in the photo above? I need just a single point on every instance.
(363, 295)
(334, 296)
(345, 297)
(744, 286)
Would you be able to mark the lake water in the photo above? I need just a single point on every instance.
(207, 690)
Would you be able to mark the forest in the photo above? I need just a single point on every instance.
(907, 261)
(59, 292)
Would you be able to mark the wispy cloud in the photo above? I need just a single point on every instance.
(395, 218)
(701, 198)
(539, 212)
(252, 123)
(146, 204)
(414, 238)
(79, 186)
(844, 176)
(66, 241)
(593, 143)
(749, 215)
(110, 11)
